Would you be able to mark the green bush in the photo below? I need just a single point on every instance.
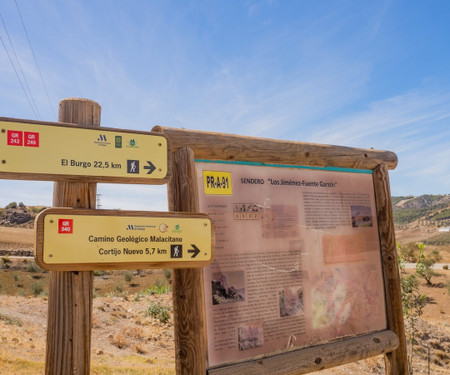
(118, 288)
(5, 262)
(128, 276)
(167, 273)
(159, 312)
(425, 263)
(37, 288)
(11, 205)
(37, 210)
(32, 267)
(158, 288)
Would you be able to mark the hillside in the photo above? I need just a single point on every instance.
(431, 210)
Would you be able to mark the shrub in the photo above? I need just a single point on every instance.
(118, 341)
(5, 262)
(159, 312)
(128, 276)
(11, 205)
(10, 320)
(425, 263)
(158, 288)
(32, 267)
(37, 288)
(167, 273)
(118, 288)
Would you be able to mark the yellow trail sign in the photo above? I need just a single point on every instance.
(74, 239)
(52, 151)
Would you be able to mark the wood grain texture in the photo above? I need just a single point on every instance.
(217, 146)
(70, 293)
(304, 361)
(396, 361)
(188, 298)
(39, 248)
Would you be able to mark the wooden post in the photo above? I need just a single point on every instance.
(190, 340)
(396, 361)
(70, 293)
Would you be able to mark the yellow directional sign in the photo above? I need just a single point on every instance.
(42, 151)
(69, 239)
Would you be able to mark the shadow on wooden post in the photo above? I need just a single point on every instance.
(70, 293)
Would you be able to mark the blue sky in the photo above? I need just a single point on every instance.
(352, 73)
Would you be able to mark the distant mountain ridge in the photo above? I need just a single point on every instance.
(430, 209)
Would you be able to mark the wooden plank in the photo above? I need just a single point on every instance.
(100, 174)
(196, 228)
(70, 293)
(218, 146)
(316, 358)
(188, 297)
(396, 361)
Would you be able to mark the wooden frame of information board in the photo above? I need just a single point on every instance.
(189, 294)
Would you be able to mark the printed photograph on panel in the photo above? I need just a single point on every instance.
(291, 301)
(361, 216)
(250, 335)
(344, 248)
(228, 287)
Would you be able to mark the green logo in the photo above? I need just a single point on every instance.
(132, 143)
(118, 141)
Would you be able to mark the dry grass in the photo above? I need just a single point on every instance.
(119, 341)
(14, 365)
(15, 238)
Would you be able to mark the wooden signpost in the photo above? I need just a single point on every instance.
(60, 151)
(82, 240)
(299, 241)
(305, 275)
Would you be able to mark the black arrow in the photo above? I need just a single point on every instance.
(195, 250)
(150, 167)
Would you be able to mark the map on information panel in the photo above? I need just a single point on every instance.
(297, 258)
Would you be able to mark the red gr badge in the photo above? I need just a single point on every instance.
(31, 139)
(65, 226)
(15, 138)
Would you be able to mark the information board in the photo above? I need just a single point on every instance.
(71, 239)
(43, 152)
(297, 259)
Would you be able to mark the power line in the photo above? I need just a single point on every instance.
(17, 75)
(32, 101)
(35, 60)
